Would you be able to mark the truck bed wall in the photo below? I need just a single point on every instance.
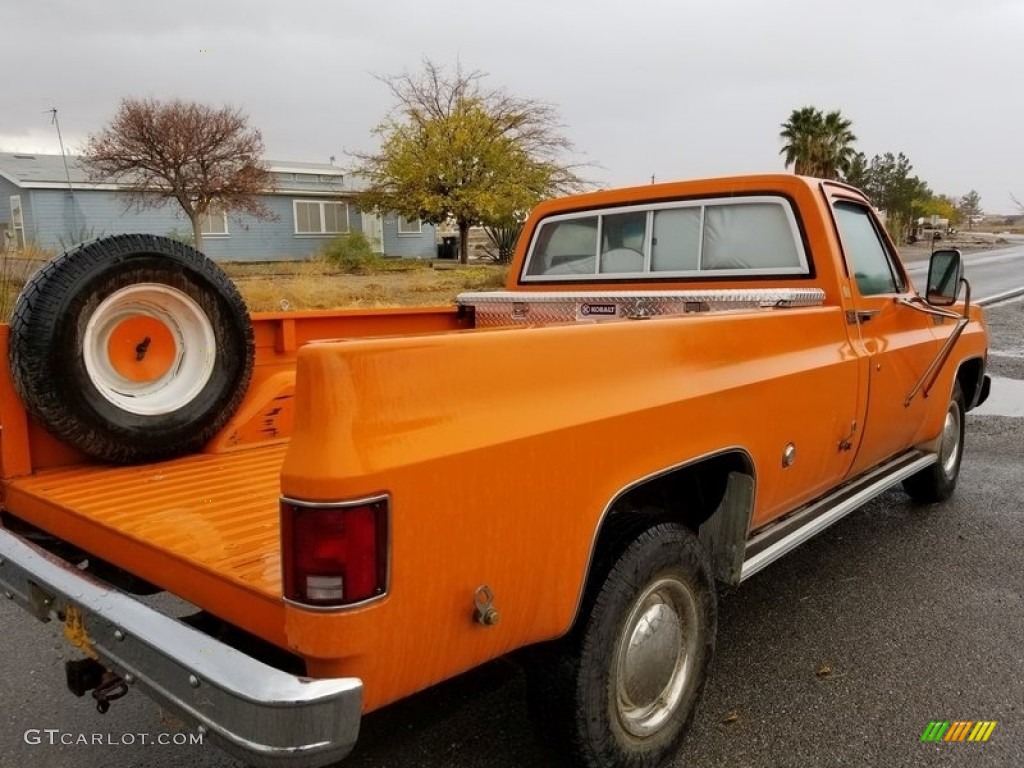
(265, 414)
(513, 499)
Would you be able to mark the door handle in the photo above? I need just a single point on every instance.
(855, 316)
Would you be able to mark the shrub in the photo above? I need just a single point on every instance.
(503, 240)
(72, 238)
(350, 253)
(185, 236)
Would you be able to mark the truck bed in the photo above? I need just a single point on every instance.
(205, 524)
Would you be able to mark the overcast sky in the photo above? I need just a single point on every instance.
(675, 89)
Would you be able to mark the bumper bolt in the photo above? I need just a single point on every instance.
(193, 681)
(119, 634)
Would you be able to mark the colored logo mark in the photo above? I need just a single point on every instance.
(959, 730)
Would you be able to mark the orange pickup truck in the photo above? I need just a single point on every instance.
(680, 383)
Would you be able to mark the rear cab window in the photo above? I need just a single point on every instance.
(730, 237)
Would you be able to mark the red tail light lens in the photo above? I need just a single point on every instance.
(334, 554)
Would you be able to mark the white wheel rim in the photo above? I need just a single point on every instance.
(187, 349)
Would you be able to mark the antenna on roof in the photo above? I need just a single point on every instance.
(60, 140)
(67, 173)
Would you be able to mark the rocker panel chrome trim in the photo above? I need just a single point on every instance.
(769, 545)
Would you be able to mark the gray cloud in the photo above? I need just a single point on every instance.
(675, 89)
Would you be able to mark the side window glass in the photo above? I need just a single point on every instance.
(865, 252)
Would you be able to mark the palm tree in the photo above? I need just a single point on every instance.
(817, 144)
(799, 133)
(837, 146)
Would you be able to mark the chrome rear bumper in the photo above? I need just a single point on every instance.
(260, 714)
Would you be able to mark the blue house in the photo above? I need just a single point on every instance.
(45, 203)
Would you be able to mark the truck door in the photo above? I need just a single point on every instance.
(896, 343)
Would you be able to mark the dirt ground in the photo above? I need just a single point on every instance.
(964, 241)
(310, 286)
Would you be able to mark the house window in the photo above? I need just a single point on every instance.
(409, 226)
(320, 217)
(213, 223)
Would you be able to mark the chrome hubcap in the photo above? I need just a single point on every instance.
(949, 453)
(655, 656)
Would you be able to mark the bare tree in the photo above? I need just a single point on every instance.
(208, 160)
(452, 149)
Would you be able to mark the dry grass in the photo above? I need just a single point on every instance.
(15, 268)
(313, 286)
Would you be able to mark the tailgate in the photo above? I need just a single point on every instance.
(204, 527)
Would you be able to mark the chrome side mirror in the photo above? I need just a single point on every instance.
(945, 273)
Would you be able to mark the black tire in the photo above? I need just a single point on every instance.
(937, 482)
(67, 348)
(589, 703)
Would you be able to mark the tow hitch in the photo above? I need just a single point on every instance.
(84, 675)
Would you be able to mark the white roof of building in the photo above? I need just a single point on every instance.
(32, 170)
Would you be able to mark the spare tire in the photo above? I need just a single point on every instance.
(131, 348)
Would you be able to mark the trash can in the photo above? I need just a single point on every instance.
(448, 248)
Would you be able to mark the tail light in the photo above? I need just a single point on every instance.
(334, 554)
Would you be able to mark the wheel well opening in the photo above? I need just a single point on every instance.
(969, 377)
(689, 495)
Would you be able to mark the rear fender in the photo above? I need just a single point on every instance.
(713, 495)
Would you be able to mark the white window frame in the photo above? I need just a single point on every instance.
(802, 270)
(18, 221)
(208, 218)
(407, 231)
(323, 219)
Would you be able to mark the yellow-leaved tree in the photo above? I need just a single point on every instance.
(452, 150)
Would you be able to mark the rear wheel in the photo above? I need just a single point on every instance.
(623, 688)
(131, 348)
(937, 482)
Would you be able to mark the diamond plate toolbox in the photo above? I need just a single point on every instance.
(505, 308)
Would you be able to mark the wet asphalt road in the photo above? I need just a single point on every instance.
(837, 655)
(991, 272)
